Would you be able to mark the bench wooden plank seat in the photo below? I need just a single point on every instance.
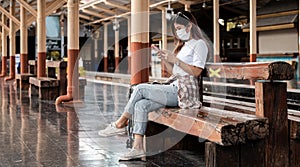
(251, 71)
(235, 131)
(22, 80)
(220, 126)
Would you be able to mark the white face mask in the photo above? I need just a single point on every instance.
(183, 35)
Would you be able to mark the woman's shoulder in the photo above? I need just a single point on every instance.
(200, 43)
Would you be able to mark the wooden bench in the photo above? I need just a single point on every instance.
(234, 135)
(50, 87)
(22, 80)
(55, 84)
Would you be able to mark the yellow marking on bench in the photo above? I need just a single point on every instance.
(213, 72)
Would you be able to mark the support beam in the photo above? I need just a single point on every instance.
(86, 17)
(4, 26)
(73, 53)
(41, 38)
(23, 40)
(93, 13)
(13, 18)
(253, 36)
(298, 45)
(117, 51)
(125, 8)
(129, 44)
(28, 7)
(4, 47)
(140, 41)
(52, 6)
(164, 34)
(104, 10)
(216, 31)
(105, 47)
(12, 42)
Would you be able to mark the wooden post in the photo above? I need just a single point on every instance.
(23, 33)
(73, 52)
(164, 72)
(140, 41)
(4, 47)
(253, 36)
(216, 155)
(295, 143)
(12, 43)
(298, 75)
(270, 98)
(216, 32)
(129, 44)
(105, 48)
(117, 51)
(41, 38)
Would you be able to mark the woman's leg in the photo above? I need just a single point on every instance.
(156, 93)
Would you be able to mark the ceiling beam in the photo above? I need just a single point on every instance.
(4, 26)
(89, 4)
(116, 5)
(15, 20)
(28, 7)
(51, 7)
(93, 13)
(110, 18)
(86, 17)
(104, 10)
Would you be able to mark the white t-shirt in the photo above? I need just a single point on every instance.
(194, 52)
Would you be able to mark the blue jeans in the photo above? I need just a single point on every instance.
(146, 98)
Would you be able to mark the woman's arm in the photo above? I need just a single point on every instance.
(171, 59)
(193, 70)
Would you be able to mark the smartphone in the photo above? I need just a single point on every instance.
(155, 48)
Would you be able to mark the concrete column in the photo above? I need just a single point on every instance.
(117, 51)
(140, 41)
(129, 45)
(216, 32)
(12, 42)
(96, 52)
(4, 47)
(298, 46)
(23, 40)
(73, 52)
(253, 36)
(41, 38)
(187, 7)
(62, 34)
(105, 48)
(164, 35)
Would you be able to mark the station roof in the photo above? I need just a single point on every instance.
(96, 11)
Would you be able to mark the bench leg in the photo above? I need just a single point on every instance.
(48, 93)
(250, 154)
(33, 90)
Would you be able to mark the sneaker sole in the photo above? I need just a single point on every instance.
(132, 158)
(111, 134)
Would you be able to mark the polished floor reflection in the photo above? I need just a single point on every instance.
(38, 133)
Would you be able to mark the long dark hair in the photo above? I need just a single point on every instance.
(184, 18)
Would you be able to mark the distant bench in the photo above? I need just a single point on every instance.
(235, 135)
(22, 80)
(55, 84)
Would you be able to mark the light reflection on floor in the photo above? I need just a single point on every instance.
(38, 133)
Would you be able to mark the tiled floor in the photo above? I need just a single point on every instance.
(38, 133)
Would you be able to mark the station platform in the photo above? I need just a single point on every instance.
(36, 132)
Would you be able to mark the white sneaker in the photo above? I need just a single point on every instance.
(111, 130)
(133, 154)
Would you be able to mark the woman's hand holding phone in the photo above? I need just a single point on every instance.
(160, 53)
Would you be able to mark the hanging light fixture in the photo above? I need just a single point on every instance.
(204, 5)
(169, 11)
(116, 24)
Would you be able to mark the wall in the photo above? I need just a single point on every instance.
(278, 41)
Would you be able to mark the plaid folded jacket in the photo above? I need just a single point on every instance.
(188, 92)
